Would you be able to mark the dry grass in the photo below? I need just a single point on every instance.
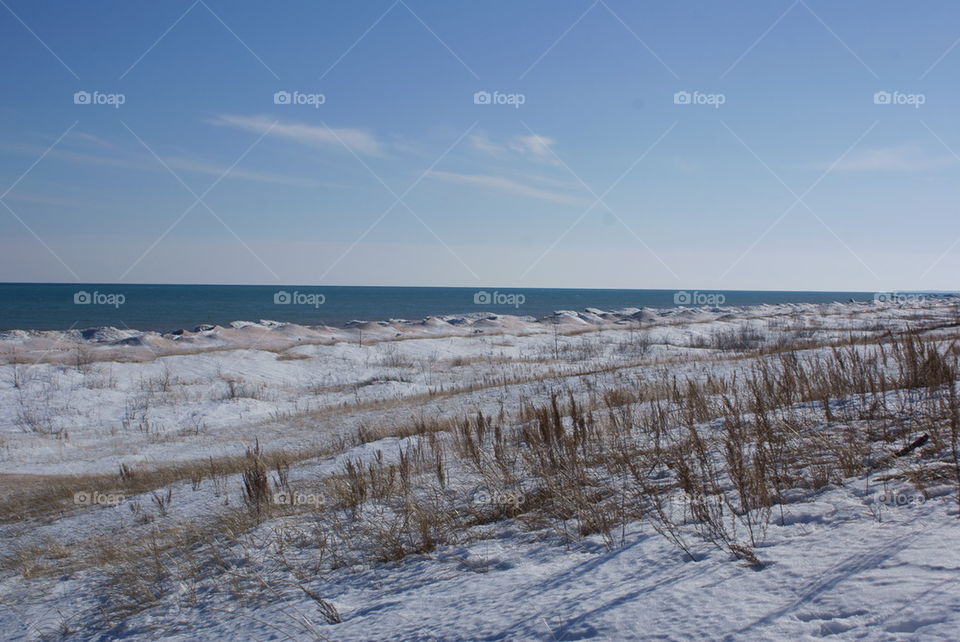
(700, 458)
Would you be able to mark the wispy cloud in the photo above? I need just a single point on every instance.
(531, 146)
(143, 162)
(359, 140)
(508, 185)
(216, 169)
(90, 138)
(537, 146)
(563, 184)
(118, 160)
(900, 158)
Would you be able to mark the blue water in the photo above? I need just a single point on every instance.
(52, 306)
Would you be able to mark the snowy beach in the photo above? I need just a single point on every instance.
(244, 480)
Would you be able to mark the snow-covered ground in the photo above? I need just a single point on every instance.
(84, 402)
(873, 557)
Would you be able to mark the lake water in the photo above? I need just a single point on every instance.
(56, 306)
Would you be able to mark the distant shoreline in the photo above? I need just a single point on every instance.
(166, 308)
(109, 342)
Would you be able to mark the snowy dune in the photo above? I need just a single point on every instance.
(84, 401)
(130, 344)
(143, 426)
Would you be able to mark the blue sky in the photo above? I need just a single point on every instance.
(798, 180)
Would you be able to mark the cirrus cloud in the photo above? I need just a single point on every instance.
(507, 185)
(531, 146)
(358, 140)
(899, 158)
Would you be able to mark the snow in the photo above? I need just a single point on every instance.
(865, 560)
(844, 575)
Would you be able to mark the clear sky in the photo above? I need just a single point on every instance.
(585, 168)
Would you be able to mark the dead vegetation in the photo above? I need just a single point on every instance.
(696, 456)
